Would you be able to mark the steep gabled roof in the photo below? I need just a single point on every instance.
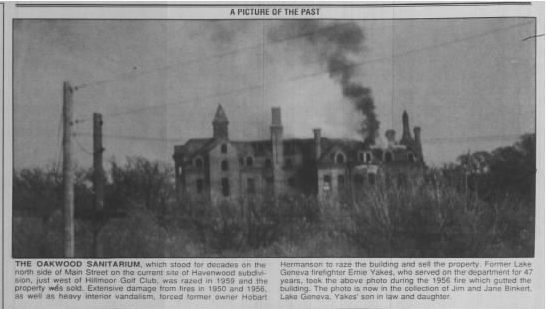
(220, 115)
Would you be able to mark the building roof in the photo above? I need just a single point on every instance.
(262, 148)
(193, 145)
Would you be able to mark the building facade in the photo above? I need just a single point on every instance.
(219, 168)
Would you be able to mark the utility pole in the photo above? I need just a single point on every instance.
(98, 181)
(68, 172)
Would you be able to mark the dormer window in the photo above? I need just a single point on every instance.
(340, 158)
(223, 148)
(365, 157)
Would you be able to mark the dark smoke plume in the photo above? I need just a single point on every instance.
(337, 46)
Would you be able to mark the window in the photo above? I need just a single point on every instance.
(199, 184)
(225, 187)
(250, 185)
(341, 180)
(365, 157)
(199, 163)
(241, 161)
(371, 178)
(249, 161)
(180, 170)
(388, 157)
(224, 148)
(288, 163)
(411, 157)
(327, 182)
(225, 165)
(340, 158)
(268, 162)
(291, 182)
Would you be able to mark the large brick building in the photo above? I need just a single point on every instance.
(219, 168)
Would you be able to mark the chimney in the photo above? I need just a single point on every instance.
(417, 134)
(406, 135)
(276, 116)
(276, 136)
(318, 150)
(391, 137)
(277, 149)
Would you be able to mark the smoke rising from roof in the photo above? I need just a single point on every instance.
(339, 47)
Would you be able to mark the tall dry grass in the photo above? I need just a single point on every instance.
(423, 216)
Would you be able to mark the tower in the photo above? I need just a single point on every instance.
(220, 124)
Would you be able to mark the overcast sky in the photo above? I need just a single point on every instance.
(468, 83)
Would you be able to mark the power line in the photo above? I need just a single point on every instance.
(427, 140)
(132, 137)
(81, 147)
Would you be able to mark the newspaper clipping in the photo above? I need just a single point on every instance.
(272, 155)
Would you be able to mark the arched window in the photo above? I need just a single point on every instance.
(249, 161)
(340, 158)
(225, 165)
(199, 163)
(224, 148)
(388, 157)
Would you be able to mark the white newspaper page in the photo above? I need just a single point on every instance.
(273, 155)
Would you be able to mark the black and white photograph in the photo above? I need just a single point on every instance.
(270, 138)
